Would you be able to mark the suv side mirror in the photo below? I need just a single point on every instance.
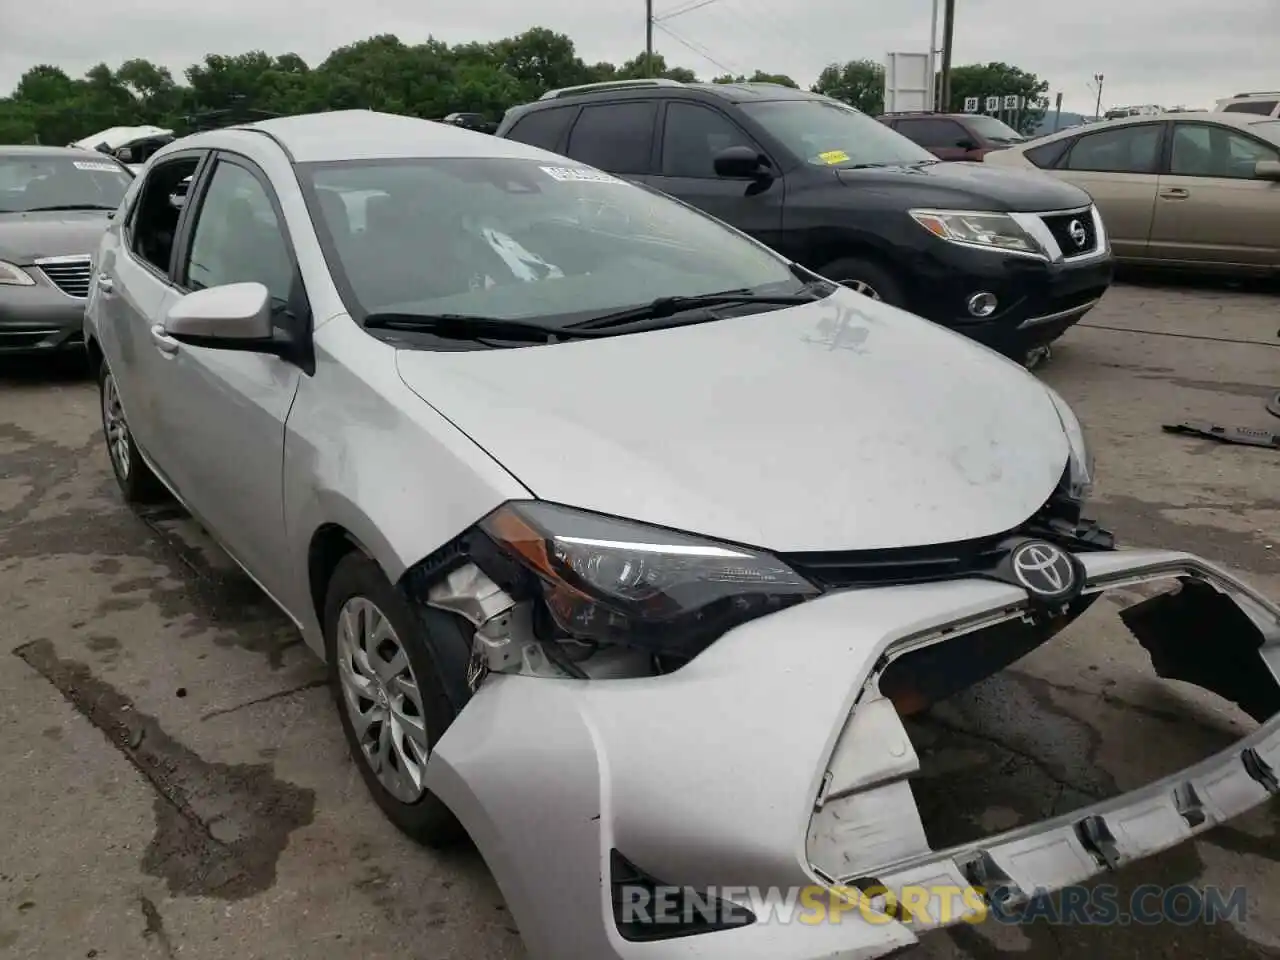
(967, 143)
(1267, 169)
(235, 316)
(741, 161)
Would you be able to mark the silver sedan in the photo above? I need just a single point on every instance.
(629, 543)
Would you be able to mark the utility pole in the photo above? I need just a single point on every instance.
(1097, 109)
(948, 34)
(933, 58)
(648, 38)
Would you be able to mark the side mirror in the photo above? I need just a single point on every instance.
(235, 316)
(124, 155)
(1267, 169)
(741, 161)
(967, 143)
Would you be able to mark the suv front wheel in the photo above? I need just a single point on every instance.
(867, 278)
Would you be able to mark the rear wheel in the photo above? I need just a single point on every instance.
(137, 483)
(867, 278)
(387, 685)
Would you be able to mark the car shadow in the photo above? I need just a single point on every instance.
(23, 370)
(1175, 279)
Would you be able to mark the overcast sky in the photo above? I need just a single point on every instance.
(1169, 52)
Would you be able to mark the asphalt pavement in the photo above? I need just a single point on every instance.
(174, 783)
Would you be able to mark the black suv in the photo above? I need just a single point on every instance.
(1011, 259)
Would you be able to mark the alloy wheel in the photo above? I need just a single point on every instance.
(862, 287)
(116, 427)
(382, 699)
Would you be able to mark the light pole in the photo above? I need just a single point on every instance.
(948, 33)
(933, 58)
(1097, 108)
(648, 38)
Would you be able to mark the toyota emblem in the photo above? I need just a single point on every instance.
(1078, 233)
(1044, 570)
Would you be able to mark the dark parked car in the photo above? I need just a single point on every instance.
(954, 136)
(1011, 260)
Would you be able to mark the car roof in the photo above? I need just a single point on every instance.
(364, 135)
(32, 151)
(916, 114)
(1239, 120)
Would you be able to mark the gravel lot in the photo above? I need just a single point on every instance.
(175, 784)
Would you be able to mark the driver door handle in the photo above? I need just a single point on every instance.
(1175, 193)
(164, 343)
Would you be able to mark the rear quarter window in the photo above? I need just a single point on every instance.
(1047, 155)
(543, 128)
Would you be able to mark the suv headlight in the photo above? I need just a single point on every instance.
(13, 275)
(606, 580)
(1080, 464)
(992, 231)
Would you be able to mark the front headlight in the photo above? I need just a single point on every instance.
(994, 231)
(13, 275)
(1080, 464)
(605, 580)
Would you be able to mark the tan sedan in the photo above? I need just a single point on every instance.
(1193, 190)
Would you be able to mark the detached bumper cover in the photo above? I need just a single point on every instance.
(728, 774)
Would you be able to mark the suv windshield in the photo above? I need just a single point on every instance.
(520, 240)
(829, 133)
(992, 129)
(61, 181)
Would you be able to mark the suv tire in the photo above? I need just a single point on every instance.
(866, 277)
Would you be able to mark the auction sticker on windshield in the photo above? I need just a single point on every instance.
(833, 156)
(91, 165)
(579, 175)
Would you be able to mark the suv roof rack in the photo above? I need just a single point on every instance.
(1257, 93)
(609, 85)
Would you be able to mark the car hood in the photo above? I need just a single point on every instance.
(971, 186)
(25, 237)
(837, 425)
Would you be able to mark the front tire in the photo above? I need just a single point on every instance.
(137, 483)
(867, 278)
(388, 690)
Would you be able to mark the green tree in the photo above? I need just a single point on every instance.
(984, 80)
(758, 77)
(642, 67)
(859, 83)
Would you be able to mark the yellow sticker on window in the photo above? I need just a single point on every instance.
(833, 156)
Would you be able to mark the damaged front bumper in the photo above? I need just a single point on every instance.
(774, 760)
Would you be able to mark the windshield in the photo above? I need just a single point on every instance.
(992, 129)
(519, 240)
(65, 181)
(829, 133)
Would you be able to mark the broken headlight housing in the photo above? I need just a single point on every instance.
(611, 581)
(1079, 479)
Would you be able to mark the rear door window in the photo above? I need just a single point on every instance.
(617, 137)
(1133, 149)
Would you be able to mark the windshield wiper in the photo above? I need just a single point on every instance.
(65, 206)
(461, 326)
(669, 306)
